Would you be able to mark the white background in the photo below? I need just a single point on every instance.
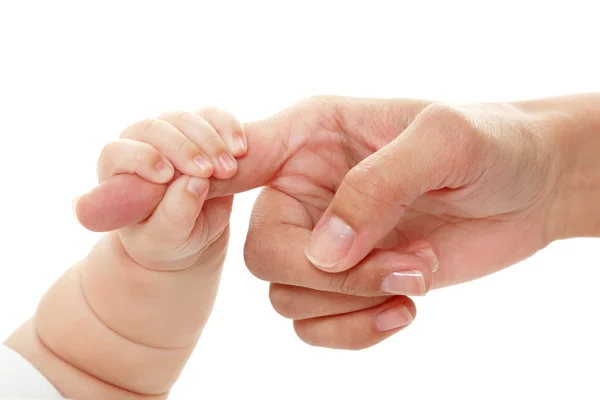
(72, 75)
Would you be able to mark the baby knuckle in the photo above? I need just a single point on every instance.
(106, 156)
(143, 129)
(152, 157)
(186, 148)
(213, 143)
(236, 127)
(178, 115)
(208, 110)
(178, 212)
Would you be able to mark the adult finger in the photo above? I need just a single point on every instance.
(279, 230)
(122, 200)
(359, 329)
(270, 143)
(129, 199)
(375, 193)
(296, 302)
(275, 140)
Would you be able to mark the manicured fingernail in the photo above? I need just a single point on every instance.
(239, 144)
(330, 243)
(409, 283)
(393, 318)
(430, 257)
(197, 186)
(202, 163)
(74, 206)
(227, 162)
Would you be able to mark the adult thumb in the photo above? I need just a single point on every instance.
(375, 193)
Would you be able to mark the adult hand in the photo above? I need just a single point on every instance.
(402, 196)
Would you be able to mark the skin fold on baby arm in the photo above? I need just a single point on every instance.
(122, 323)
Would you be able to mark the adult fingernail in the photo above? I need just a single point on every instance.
(227, 162)
(393, 318)
(239, 144)
(409, 283)
(197, 186)
(430, 257)
(330, 243)
(202, 163)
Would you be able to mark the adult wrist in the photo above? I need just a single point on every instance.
(572, 124)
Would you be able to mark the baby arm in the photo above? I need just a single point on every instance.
(122, 322)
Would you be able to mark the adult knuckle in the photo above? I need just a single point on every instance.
(367, 182)
(457, 134)
(337, 336)
(437, 112)
(283, 301)
(306, 331)
(254, 256)
(320, 99)
(454, 124)
(345, 282)
(315, 111)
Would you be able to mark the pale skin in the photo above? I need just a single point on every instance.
(422, 195)
(121, 323)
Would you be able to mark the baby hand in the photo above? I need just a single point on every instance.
(129, 315)
(183, 149)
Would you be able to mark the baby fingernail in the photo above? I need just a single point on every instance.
(393, 318)
(430, 257)
(164, 169)
(202, 163)
(409, 283)
(330, 243)
(239, 144)
(227, 162)
(159, 166)
(197, 186)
